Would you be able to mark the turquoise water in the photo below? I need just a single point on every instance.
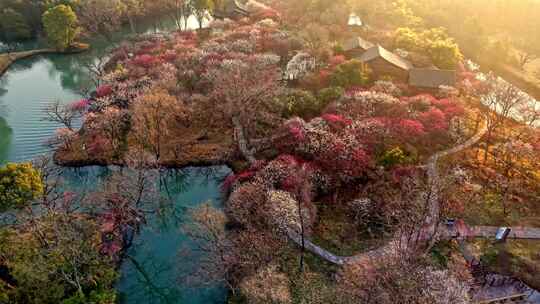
(161, 247)
(158, 263)
(155, 270)
(31, 84)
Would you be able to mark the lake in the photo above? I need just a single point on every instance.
(155, 269)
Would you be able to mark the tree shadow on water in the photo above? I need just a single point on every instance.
(6, 134)
(150, 281)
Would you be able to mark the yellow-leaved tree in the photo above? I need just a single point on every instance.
(19, 184)
(61, 25)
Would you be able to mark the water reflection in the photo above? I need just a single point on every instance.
(150, 274)
(5, 139)
(151, 271)
(153, 268)
(519, 111)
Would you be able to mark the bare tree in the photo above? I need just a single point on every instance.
(133, 9)
(242, 91)
(62, 114)
(217, 251)
(53, 198)
(154, 115)
(101, 17)
(96, 69)
(179, 11)
(503, 100)
(528, 49)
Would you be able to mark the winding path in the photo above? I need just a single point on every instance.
(7, 59)
(430, 227)
(432, 220)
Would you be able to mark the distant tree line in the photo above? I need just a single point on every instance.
(24, 19)
(504, 30)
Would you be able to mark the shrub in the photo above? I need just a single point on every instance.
(246, 204)
(19, 184)
(145, 60)
(434, 120)
(302, 104)
(338, 49)
(337, 122)
(349, 74)
(408, 128)
(420, 103)
(316, 80)
(337, 60)
(169, 56)
(387, 87)
(79, 105)
(268, 285)
(394, 157)
(103, 90)
(329, 95)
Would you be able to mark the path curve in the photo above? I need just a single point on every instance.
(431, 223)
(7, 59)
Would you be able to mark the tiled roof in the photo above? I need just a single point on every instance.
(431, 78)
(380, 52)
(357, 42)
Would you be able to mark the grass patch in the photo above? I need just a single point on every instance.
(516, 258)
(337, 232)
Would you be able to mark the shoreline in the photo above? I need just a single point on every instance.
(7, 59)
(197, 157)
(510, 74)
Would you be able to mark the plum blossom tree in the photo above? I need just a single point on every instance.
(268, 285)
(101, 17)
(402, 281)
(503, 100)
(299, 66)
(154, 114)
(109, 128)
(242, 91)
(66, 115)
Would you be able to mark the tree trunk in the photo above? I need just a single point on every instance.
(303, 245)
(186, 19)
(132, 24)
(486, 150)
(242, 140)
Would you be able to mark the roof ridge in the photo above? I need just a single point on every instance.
(392, 58)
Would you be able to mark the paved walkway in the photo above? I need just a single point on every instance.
(431, 224)
(525, 233)
(7, 59)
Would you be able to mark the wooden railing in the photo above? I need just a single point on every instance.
(518, 298)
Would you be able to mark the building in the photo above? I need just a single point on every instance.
(231, 9)
(431, 79)
(355, 21)
(356, 46)
(385, 63)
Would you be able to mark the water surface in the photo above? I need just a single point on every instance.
(155, 270)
